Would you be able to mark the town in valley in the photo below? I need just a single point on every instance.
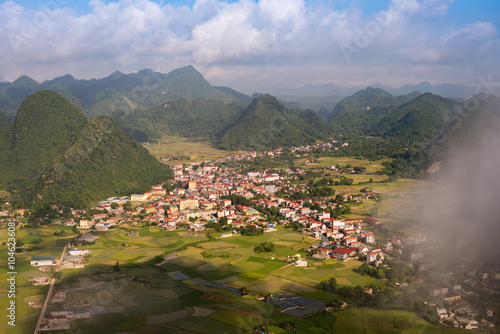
(256, 249)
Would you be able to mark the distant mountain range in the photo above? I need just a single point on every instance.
(118, 91)
(146, 88)
(52, 154)
(4, 120)
(328, 95)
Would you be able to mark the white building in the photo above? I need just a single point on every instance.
(79, 252)
(39, 261)
(300, 263)
(138, 197)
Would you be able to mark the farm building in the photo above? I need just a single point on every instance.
(39, 261)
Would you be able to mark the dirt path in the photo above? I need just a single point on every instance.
(167, 258)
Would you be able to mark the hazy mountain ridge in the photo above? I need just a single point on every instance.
(118, 91)
(369, 98)
(328, 95)
(315, 103)
(147, 88)
(238, 95)
(322, 90)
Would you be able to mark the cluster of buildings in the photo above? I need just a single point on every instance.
(74, 258)
(343, 239)
(61, 319)
(461, 296)
(464, 295)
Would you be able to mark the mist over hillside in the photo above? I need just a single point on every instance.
(462, 219)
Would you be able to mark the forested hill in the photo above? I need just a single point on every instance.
(419, 119)
(268, 124)
(369, 98)
(200, 118)
(51, 152)
(4, 120)
(102, 161)
(468, 124)
(44, 127)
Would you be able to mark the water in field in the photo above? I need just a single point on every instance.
(298, 306)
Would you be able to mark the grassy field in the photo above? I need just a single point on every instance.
(371, 166)
(194, 148)
(145, 291)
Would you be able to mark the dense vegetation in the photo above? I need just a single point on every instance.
(149, 105)
(369, 98)
(195, 119)
(266, 247)
(4, 120)
(51, 152)
(267, 124)
(44, 127)
(102, 161)
(416, 120)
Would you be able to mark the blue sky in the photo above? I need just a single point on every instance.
(249, 44)
(460, 10)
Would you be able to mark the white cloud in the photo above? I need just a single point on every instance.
(281, 41)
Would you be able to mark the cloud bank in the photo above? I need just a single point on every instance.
(246, 43)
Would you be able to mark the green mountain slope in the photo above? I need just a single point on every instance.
(267, 124)
(419, 119)
(4, 121)
(102, 161)
(188, 83)
(236, 94)
(200, 118)
(469, 124)
(12, 94)
(393, 131)
(365, 99)
(44, 127)
(408, 97)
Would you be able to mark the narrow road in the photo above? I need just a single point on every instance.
(51, 289)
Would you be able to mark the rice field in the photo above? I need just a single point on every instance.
(196, 149)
